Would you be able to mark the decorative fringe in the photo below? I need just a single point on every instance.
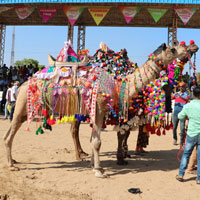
(39, 130)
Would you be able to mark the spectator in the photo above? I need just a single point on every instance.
(10, 74)
(181, 98)
(14, 73)
(14, 93)
(8, 100)
(191, 110)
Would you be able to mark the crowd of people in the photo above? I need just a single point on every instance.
(10, 80)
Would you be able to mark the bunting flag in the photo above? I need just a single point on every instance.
(129, 12)
(185, 13)
(72, 13)
(47, 13)
(24, 12)
(156, 13)
(98, 13)
(2, 9)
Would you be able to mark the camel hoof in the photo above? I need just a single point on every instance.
(14, 161)
(82, 156)
(14, 168)
(99, 174)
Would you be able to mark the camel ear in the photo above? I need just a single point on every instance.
(164, 46)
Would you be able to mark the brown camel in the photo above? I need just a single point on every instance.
(164, 55)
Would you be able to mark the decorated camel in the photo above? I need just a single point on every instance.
(124, 133)
(98, 105)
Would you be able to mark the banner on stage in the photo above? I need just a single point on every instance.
(98, 13)
(129, 12)
(156, 13)
(47, 13)
(73, 13)
(24, 12)
(185, 13)
(3, 9)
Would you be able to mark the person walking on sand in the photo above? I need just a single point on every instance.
(191, 111)
(181, 98)
(14, 93)
(8, 101)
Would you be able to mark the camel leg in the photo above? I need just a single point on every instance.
(120, 150)
(80, 154)
(125, 144)
(96, 144)
(8, 140)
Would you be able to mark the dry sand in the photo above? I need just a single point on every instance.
(49, 171)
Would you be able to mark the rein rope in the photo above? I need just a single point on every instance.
(193, 65)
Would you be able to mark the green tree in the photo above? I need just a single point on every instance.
(29, 61)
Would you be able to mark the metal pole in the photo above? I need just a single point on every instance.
(172, 31)
(13, 48)
(70, 33)
(2, 43)
(81, 38)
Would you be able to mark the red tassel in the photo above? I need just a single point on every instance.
(153, 131)
(167, 126)
(164, 133)
(51, 121)
(171, 125)
(158, 132)
(44, 112)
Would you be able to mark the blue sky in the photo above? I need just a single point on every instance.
(37, 41)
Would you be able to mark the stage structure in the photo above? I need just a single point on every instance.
(172, 14)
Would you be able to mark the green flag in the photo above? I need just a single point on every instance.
(156, 13)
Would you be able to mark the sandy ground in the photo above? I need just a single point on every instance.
(49, 171)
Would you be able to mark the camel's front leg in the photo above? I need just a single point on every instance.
(96, 144)
(80, 154)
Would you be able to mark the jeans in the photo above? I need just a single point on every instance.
(190, 144)
(12, 110)
(182, 127)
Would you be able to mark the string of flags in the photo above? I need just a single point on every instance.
(98, 13)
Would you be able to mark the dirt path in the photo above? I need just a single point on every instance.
(48, 169)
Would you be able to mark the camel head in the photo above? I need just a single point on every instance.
(168, 54)
(191, 49)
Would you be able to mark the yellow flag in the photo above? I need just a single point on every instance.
(98, 13)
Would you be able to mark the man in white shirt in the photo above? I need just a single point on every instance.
(8, 100)
(13, 97)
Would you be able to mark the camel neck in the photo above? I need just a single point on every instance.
(142, 76)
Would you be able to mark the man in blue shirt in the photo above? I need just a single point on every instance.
(192, 111)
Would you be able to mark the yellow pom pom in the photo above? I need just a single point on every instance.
(51, 117)
(58, 121)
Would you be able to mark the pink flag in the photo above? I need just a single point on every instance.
(72, 13)
(24, 12)
(185, 13)
(47, 13)
(129, 12)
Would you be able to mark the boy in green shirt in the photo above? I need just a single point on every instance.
(192, 111)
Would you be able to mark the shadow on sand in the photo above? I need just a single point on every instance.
(164, 160)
